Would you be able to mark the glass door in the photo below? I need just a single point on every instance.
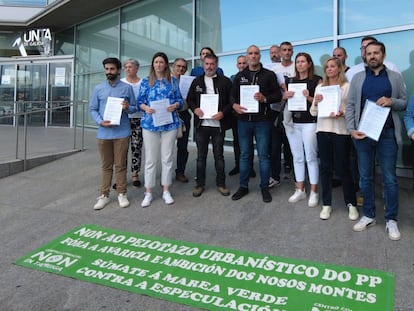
(60, 80)
(7, 80)
(31, 94)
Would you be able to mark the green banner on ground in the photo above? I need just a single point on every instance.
(209, 277)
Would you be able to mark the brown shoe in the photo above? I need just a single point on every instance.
(198, 191)
(181, 178)
(360, 200)
(223, 190)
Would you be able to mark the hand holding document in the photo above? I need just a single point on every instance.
(161, 116)
(185, 83)
(113, 110)
(331, 100)
(373, 119)
(209, 105)
(247, 100)
(298, 101)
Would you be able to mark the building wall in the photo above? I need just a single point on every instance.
(181, 27)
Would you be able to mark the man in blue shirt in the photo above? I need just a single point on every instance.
(113, 140)
(386, 88)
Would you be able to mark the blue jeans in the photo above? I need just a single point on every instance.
(386, 151)
(261, 132)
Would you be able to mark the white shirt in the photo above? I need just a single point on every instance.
(361, 67)
(209, 90)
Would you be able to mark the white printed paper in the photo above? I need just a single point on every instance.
(113, 110)
(247, 100)
(185, 83)
(373, 119)
(298, 101)
(161, 116)
(331, 100)
(209, 105)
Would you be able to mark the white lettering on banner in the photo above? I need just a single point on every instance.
(54, 258)
(210, 299)
(256, 296)
(89, 233)
(281, 282)
(343, 292)
(110, 265)
(108, 276)
(207, 286)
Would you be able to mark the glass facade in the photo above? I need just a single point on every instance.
(182, 27)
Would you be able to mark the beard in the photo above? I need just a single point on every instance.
(374, 64)
(111, 77)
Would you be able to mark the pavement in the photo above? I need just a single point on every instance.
(49, 200)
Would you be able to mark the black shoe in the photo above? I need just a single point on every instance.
(241, 192)
(252, 173)
(136, 183)
(234, 171)
(266, 195)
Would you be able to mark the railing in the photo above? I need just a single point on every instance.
(15, 128)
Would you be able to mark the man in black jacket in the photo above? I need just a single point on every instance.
(255, 120)
(209, 99)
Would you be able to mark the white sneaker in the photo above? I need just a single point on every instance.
(352, 212)
(393, 232)
(364, 223)
(325, 212)
(102, 202)
(313, 199)
(273, 182)
(167, 197)
(123, 200)
(147, 199)
(297, 196)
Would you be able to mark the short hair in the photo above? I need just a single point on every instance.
(112, 60)
(132, 61)
(378, 43)
(211, 56)
(179, 59)
(342, 49)
(209, 49)
(370, 38)
(286, 43)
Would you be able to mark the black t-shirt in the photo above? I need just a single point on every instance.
(305, 116)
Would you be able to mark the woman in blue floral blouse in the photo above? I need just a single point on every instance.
(160, 98)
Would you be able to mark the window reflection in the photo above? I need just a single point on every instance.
(356, 15)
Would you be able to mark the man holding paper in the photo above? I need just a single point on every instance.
(386, 89)
(110, 104)
(253, 90)
(209, 99)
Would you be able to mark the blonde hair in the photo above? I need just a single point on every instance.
(341, 74)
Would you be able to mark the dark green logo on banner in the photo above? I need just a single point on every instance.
(208, 277)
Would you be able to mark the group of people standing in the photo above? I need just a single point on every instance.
(255, 104)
